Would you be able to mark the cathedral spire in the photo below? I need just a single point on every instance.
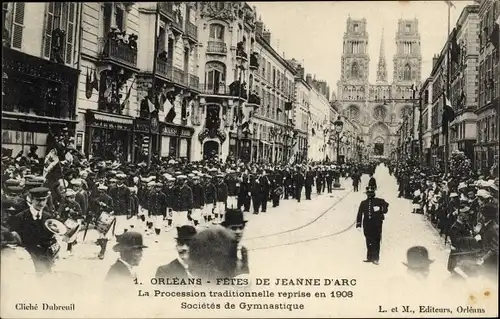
(382, 65)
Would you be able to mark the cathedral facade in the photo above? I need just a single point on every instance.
(378, 109)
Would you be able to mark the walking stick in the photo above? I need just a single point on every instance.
(87, 227)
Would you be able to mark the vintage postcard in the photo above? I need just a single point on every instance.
(233, 159)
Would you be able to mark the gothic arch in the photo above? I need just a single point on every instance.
(352, 112)
(407, 72)
(379, 130)
(380, 113)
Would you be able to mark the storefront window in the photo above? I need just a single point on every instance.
(109, 144)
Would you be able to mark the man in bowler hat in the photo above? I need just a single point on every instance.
(179, 267)
(371, 215)
(235, 222)
(418, 262)
(130, 246)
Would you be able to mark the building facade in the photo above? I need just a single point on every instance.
(107, 91)
(273, 82)
(463, 82)
(486, 146)
(301, 112)
(168, 79)
(426, 125)
(41, 64)
(227, 58)
(377, 110)
(319, 123)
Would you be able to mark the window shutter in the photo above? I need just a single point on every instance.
(70, 32)
(49, 27)
(18, 25)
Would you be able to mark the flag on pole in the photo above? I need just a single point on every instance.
(95, 82)
(126, 102)
(448, 114)
(151, 106)
(449, 3)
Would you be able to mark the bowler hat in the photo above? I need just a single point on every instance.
(417, 258)
(129, 239)
(185, 232)
(234, 216)
(489, 211)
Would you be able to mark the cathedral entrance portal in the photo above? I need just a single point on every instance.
(378, 149)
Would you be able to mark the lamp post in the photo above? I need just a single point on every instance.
(339, 125)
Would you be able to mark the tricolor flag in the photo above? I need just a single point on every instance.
(126, 102)
(448, 114)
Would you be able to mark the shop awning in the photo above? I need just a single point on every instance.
(33, 118)
(113, 119)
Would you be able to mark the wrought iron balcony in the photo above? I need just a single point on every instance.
(165, 69)
(117, 50)
(194, 82)
(180, 76)
(254, 98)
(215, 47)
(192, 31)
(214, 89)
(167, 8)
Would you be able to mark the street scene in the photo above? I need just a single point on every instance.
(191, 159)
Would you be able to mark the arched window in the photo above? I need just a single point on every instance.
(355, 70)
(216, 31)
(215, 76)
(407, 72)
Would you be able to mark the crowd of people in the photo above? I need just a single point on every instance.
(65, 194)
(463, 207)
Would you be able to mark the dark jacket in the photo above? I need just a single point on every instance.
(174, 269)
(119, 273)
(210, 193)
(198, 196)
(222, 192)
(157, 203)
(121, 199)
(101, 203)
(184, 198)
(366, 213)
(36, 238)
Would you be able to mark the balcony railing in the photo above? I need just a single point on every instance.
(215, 47)
(118, 51)
(179, 76)
(254, 61)
(194, 82)
(214, 89)
(165, 69)
(167, 8)
(192, 30)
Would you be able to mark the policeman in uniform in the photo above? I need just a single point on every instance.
(371, 214)
(29, 224)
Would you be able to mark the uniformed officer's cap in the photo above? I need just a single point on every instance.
(121, 176)
(152, 183)
(191, 175)
(213, 169)
(171, 179)
(207, 176)
(76, 182)
(102, 187)
(12, 182)
(158, 184)
(70, 192)
(196, 177)
(14, 189)
(39, 192)
(181, 177)
(196, 172)
(113, 180)
(178, 173)
(220, 175)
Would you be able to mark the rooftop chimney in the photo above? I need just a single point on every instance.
(259, 27)
(267, 36)
(435, 60)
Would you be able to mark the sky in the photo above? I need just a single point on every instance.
(312, 32)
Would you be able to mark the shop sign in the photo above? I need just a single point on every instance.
(168, 130)
(110, 126)
(186, 133)
(141, 126)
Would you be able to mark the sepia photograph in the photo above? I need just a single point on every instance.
(267, 159)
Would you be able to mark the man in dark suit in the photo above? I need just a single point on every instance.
(371, 215)
(36, 238)
(179, 267)
(309, 183)
(130, 246)
(235, 222)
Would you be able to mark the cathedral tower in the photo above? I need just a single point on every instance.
(355, 61)
(408, 58)
(382, 65)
